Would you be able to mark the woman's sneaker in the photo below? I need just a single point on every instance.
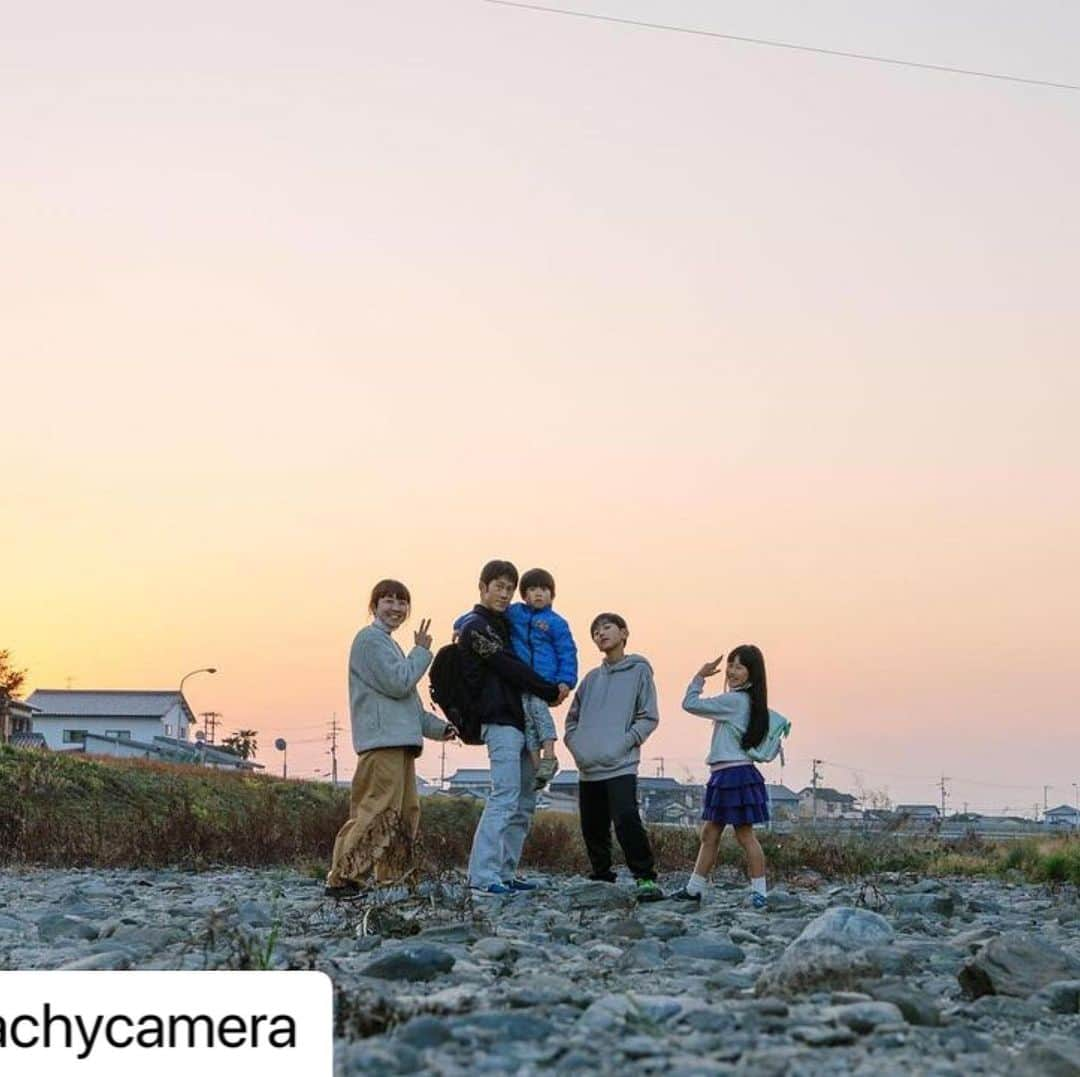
(647, 890)
(346, 889)
(546, 769)
(685, 895)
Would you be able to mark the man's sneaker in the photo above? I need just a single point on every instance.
(494, 890)
(758, 901)
(647, 890)
(522, 884)
(608, 877)
(685, 895)
(547, 768)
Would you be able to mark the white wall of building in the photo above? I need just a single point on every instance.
(52, 728)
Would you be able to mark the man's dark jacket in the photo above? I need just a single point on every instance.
(494, 676)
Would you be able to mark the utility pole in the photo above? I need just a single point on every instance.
(333, 748)
(210, 723)
(814, 779)
(1076, 792)
(944, 794)
(659, 766)
(442, 766)
(1046, 789)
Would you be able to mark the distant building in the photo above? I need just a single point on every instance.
(473, 781)
(826, 803)
(66, 717)
(783, 802)
(666, 800)
(1062, 815)
(922, 813)
(16, 719)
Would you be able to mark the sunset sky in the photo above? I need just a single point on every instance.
(749, 345)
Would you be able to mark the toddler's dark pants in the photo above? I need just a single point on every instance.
(614, 801)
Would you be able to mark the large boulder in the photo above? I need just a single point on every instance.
(1016, 964)
(848, 928)
(833, 952)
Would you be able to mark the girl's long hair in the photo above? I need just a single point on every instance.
(751, 657)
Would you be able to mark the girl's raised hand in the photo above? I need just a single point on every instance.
(711, 668)
(421, 636)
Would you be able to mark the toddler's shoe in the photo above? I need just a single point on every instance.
(758, 901)
(547, 768)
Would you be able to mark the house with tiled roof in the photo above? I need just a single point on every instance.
(66, 716)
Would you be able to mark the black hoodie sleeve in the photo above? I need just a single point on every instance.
(484, 644)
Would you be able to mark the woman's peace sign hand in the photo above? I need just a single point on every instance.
(422, 637)
(710, 668)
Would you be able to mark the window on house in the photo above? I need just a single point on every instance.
(74, 736)
(120, 734)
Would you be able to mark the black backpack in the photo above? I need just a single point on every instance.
(449, 694)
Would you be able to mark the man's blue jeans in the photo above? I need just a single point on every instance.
(500, 834)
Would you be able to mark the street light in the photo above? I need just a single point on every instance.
(205, 669)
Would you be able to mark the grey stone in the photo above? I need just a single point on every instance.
(644, 954)
(1006, 1006)
(105, 959)
(254, 914)
(1056, 1057)
(822, 1036)
(55, 926)
(606, 1012)
(463, 932)
(512, 1027)
(1016, 964)
(703, 948)
(424, 1031)
(781, 900)
(599, 895)
(412, 962)
(863, 1017)
(493, 949)
(916, 1005)
(925, 904)
(1061, 996)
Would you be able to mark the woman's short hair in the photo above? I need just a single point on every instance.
(388, 589)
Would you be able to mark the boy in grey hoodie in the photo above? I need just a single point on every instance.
(613, 712)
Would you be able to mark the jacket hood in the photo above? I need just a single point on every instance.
(628, 661)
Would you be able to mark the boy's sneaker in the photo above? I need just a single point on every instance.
(494, 890)
(522, 884)
(758, 901)
(546, 769)
(685, 895)
(647, 890)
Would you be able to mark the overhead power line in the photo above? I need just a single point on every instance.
(786, 45)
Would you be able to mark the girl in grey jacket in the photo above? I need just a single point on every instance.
(388, 727)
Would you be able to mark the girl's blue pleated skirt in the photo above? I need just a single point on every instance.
(736, 796)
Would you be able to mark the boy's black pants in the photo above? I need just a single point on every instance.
(607, 802)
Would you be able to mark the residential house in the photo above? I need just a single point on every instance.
(783, 802)
(1062, 815)
(826, 803)
(66, 717)
(472, 781)
(16, 718)
(666, 800)
(920, 813)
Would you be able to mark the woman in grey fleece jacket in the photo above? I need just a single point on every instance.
(388, 729)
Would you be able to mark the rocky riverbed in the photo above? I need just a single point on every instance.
(897, 976)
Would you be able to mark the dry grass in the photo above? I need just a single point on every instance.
(69, 810)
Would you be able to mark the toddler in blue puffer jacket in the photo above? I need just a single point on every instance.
(541, 639)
